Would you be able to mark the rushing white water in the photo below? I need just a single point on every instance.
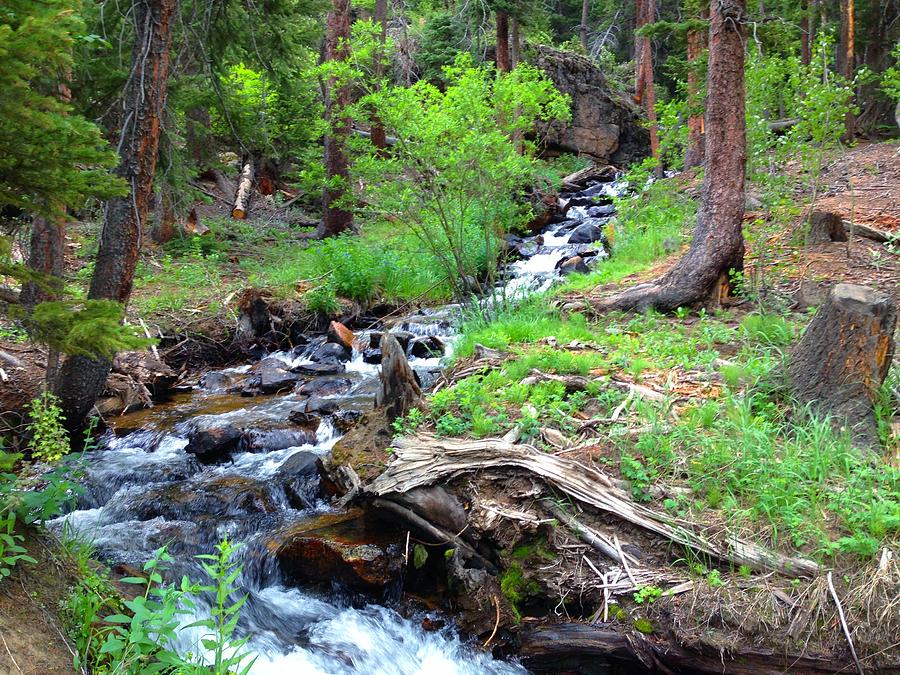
(144, 491)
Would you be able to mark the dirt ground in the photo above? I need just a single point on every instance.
(32, 641)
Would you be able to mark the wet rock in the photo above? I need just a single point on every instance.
(224, 496)
(339, 334)
(603, 211)
(586, 233)
(325, 386)
(270, 376)
(336, 552)
(543, 206)
(574, 264)
(372, 356)
(212, 446)
(217, 381)
(331, 368)
(308, 422)
(435, 505)
(320, 406)
(343, 420)
(330, 352)
(268, 440)
(426, 347)
(514, 248)
(301, 476)
(302, 463)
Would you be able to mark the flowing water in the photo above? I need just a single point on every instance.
(143, 490)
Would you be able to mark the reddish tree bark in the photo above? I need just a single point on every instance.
(515, 42)
(696, 45)
(718, 243)
(378, 135)
(336, 217)
(846, 54)
(645, 12)
(502, 41)
(82, 379)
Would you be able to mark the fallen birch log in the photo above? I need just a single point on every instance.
(244, 190)
(868, 232)
(423, 460)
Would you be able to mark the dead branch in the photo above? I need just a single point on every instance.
(422, 460)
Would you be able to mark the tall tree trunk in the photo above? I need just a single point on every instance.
(502, 41)
(806, 32)
(696, 45)
(336, 217)
(718, 243)
(515, 42)
(583, 27)
(846, 55)
(46, 253)
(644, 91)
(82, 379)
(378, 135)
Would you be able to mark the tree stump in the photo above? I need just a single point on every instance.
(824, 228)
(844, 356)
(399, 390)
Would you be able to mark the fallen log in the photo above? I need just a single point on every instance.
(244, 190)
(577, 180)
(423, 460)
(570, 645)
(869, 232)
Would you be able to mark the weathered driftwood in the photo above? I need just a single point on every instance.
(577, 180)
(569, 645)
(244, 191)
(589, 536)
(843, 357)
(423, 460)
(399, 389)
(867, 232)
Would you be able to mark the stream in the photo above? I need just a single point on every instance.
(237, 457)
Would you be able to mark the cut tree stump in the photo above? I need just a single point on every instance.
(399, 390)
(244, 190)
(824, 228)
(844, 356)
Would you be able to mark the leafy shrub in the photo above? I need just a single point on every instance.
(49, 439)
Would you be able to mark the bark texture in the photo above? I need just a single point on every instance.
(378, 134)
(824, 228)
(502, 42)
(45, 255)
(718, 243)
(645, 94)
(82, 379)
(696, 45)
(337, 218)
(399, 389)
(583, 27)
(844, 356)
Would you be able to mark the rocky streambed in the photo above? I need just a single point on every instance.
(242, 455)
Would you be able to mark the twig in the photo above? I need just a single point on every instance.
(11, 657)
(496, 621)
(624, 561)
(844, 623)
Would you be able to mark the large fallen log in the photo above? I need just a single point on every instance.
(573, 645)
(578, 180)
(244, 190)
(423, 460)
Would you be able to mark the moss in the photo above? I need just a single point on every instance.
(643, 626)
(515, 587)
